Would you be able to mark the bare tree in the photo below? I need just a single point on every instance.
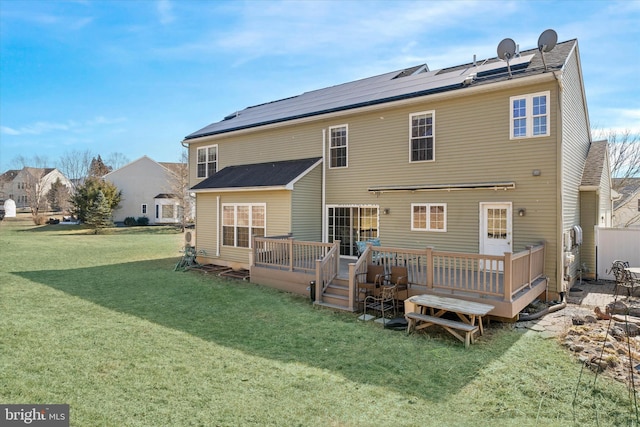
(624, 154)
(117, 160)
(75, 166)
(33, 171)
(179, 188)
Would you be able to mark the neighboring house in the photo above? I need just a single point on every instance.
(480, 158)
(6, 184)
(28, 185)
(149, 189)
(627, 207)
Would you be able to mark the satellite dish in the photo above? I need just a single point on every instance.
(506, 49)
(547, 40)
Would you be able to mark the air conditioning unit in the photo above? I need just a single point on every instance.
(190, 237)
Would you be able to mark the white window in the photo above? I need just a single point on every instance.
(241, 222)
(428, 217)
(529, 115)
(338, 146)
(144, 209)
(422, 141)
(207, 161)
(168, 211)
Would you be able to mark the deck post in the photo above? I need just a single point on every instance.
(352, 285)
(508, 285)
(252, 256)
(290, 253)
(530, 266)
(430, 266)
(319, 278)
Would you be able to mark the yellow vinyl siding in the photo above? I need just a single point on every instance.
(575, 147)
(288, 143)
(306, 207)
(588, 215)
(576, 140)
(278, 217)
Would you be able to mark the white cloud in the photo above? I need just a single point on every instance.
(42, 127)
(8, 131)
(165, 11)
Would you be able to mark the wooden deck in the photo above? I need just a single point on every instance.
(509, 282)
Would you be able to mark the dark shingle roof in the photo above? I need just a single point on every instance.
(592, 173)
(270, 174)
(397, 85)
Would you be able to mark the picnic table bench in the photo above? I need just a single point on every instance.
(423, 311)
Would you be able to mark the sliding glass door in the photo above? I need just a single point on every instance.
(350, 224)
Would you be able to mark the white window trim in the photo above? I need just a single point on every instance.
(235, 223)
(206, 169)
(428, 206)
(433, 134)
(346, 146)
(529, 116)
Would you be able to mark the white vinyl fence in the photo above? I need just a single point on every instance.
(616, 244)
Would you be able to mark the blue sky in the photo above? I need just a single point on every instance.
(136, 76)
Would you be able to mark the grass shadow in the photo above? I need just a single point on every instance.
(280, 326)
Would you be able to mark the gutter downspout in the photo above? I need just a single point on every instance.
(325, 238)
(217, 226)
(560, 188)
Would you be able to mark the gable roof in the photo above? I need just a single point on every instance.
(261, 176)
(594, 165)
(171, 167)
(9, 175)
(389, 87)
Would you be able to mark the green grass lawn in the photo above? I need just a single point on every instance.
(104, 324)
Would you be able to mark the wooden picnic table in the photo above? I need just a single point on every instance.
(426, 310)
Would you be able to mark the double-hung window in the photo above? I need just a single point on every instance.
(207, 161)
(428, 217)
(422, 143)
(338, 146)
(241, 222)
(529, 115)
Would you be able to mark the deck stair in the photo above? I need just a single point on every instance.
(336, 295)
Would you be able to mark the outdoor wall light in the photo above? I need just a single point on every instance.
(522, 212)
(386, 211)
(536, 172)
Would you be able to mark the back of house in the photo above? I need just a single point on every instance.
(485, 157)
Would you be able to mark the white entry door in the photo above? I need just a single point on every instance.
(495, 229)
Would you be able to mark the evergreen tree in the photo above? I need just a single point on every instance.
(98, 169)
(87, 193)
(99, 213)
(58, 196)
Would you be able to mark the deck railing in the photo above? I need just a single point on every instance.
(286, 253)
(501, 276)
(496, 276)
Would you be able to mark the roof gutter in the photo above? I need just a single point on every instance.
(242, 189)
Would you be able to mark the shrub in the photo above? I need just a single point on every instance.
(129, 221)
(40, 220)
(143, 220)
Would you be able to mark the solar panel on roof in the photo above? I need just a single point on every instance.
(500, 66)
